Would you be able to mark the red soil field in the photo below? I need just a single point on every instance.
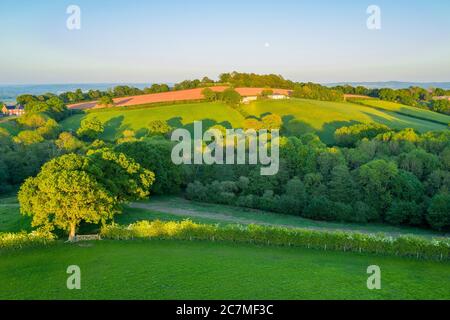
(181, 95)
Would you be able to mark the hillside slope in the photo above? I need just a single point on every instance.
(299, 116)
(418, 113)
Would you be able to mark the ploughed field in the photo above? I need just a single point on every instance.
(171, 96)
(211, 270)
(299, 116)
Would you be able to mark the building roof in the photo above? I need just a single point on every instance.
(17, 107)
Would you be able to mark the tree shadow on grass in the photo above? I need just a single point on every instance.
(113, 128)
(206, 124)
(326, 134)
(296, 127)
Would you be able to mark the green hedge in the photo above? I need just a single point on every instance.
(23, 239)
(406, 246)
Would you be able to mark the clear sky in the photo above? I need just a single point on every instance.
(168, 41)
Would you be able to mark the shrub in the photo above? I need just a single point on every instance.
(404, 212)
(23, 239)
(438, 215)
(196, 191)
(320, 208)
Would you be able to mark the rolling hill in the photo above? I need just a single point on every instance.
(422, 114)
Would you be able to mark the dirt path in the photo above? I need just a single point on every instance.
(199, 214)
(167, 208)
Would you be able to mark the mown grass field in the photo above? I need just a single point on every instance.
(177, 115)
(209, 270)
(299, 116)
(406, 110)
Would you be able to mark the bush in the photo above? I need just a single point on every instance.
(438, 215)
(404, 212)
(407, 246)
(196, 191)
(320, 208)
(23, 239)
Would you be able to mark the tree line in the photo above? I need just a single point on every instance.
(413, 96)
(234, 80)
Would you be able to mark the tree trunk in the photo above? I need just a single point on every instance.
(72, 232)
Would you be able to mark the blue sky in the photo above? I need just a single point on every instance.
(168, 41)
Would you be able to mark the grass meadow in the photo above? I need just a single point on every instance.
(211, 270)
(299, 116)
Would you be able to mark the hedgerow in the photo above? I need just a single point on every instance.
(23, 239)
(405, 246)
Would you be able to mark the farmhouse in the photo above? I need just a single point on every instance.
(247, 100)
(275, 96)
(17, 110)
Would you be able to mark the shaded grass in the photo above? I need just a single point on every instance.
(208, 270)
(10, 218)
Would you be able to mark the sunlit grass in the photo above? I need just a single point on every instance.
(211, 270)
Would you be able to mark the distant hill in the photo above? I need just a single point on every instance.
(393, 84)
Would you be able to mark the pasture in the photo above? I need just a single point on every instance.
(211, 270)
(177, 115)
(299, 116)
(406, 110)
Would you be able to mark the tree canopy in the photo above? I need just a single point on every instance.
(75, 188)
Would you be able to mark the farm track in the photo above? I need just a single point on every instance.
(166, 207)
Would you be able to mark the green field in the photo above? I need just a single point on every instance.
(407, 110)
(178, 115)
(204, 270)
(210, 270)
(299, 116)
